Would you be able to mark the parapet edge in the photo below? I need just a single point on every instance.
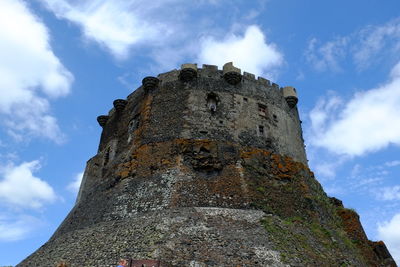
(212, 71)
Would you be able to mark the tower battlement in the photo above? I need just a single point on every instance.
(249, 85)
(212, 71)
(205, 105)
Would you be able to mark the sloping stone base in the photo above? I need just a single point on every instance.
(181, 237)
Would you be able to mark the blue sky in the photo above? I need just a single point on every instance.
(63, 62)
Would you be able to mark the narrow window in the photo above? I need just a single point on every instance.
(131, 126)
(106, 156)
(261, 129)
(212, 102)
(262, 110)
(212, 105)
(275, 118)
(134, 123)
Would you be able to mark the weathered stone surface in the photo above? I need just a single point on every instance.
(208, 236)
(198, 172)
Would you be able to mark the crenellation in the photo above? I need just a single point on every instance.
(169, 76)
(264, 82)
(210, 71)
(111, 112)
(249, 76)
(260, 87)
(212, 68)
(276, 86)
(136, 93)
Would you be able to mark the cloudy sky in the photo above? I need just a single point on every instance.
(63, 62)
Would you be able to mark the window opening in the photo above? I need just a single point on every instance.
(245, 99)
(134, 123)
(106, 156)
(261, 130)
(212, 102)
(262, 110)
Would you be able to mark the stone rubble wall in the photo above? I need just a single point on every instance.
(183, 237)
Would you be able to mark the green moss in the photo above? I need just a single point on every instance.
(310, 242)
(270, 227)
(320, 230)
(295, 219)
(262, 205)
(353, 210)
(260, 189)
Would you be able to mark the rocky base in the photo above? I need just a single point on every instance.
(195, 237)
(183, 237)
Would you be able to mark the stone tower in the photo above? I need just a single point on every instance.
(206, 167)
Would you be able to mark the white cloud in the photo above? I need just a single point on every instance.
(117, 25)
(19, 188)
(167, 31)
(370, 121)
(366, 182)
(326, 169)
(393, 163)
(14, 228)
(355, 171)
(30, 73)
(366, 47)
(390, 193)
(373, 40)
(324, 165)
(335, 190)
(249, 52)
(328, 55)
(389, 232)
(31, 118)
(76, 183)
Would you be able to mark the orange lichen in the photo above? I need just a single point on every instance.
(214, 177)
(355, 231)
(254, 152)
(123, 174)
(145, 112)
(380, 243)
(352, 225)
